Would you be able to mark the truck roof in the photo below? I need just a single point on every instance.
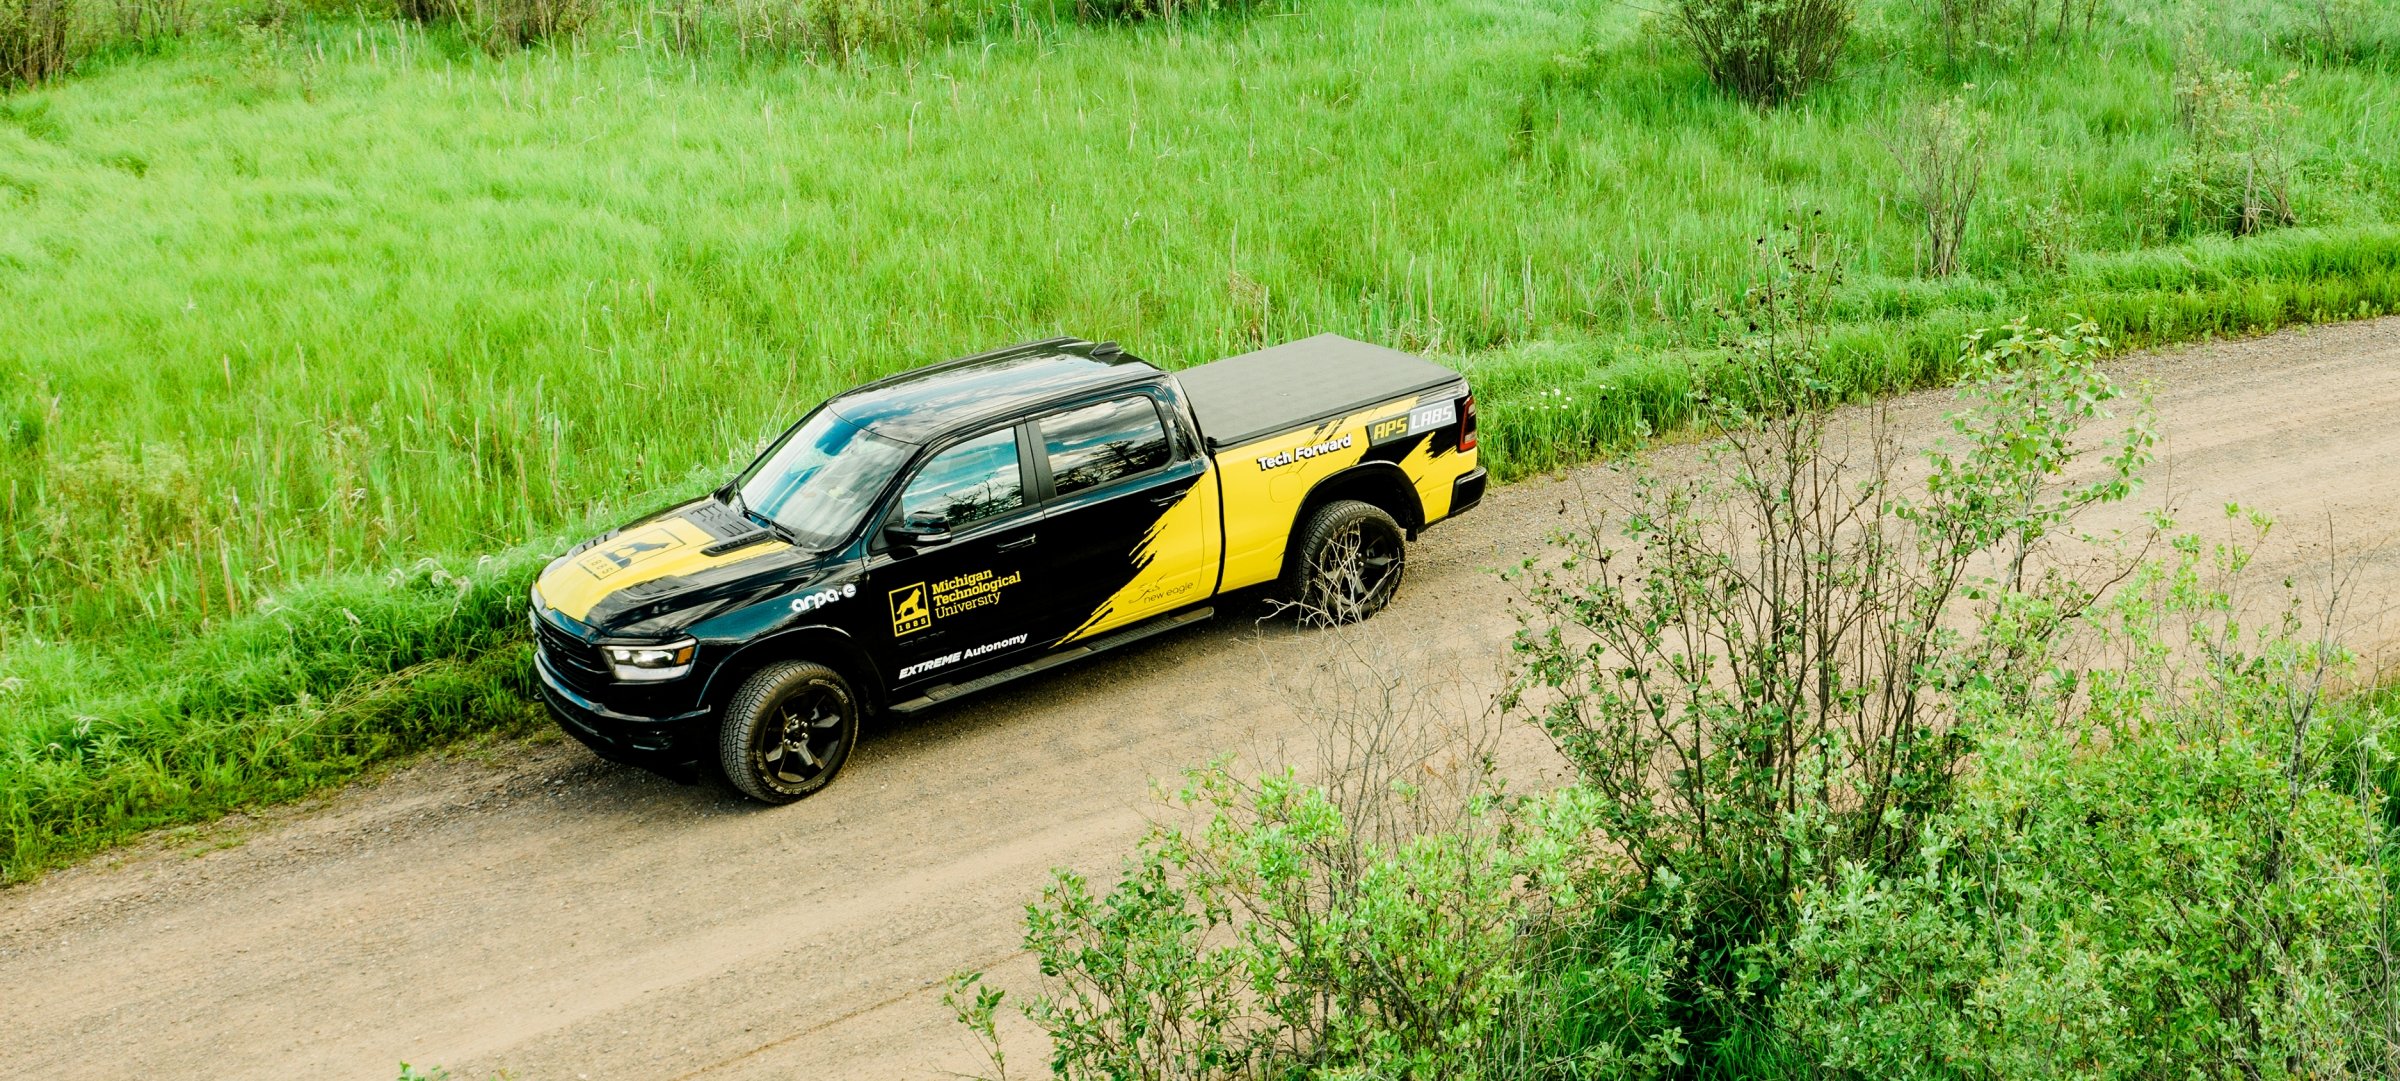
(922, 403)
(1255, 395)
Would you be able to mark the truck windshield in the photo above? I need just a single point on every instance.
(821, 479)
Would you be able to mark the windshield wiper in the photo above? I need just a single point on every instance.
(762, 524)
(781, 531)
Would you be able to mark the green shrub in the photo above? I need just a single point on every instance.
(1399, 917)
(2234, 172)
(1277, 937)
(36, 37)
(1144, 10)
(834, 28)
(1759, 682)
(1765, 51)
(2188, 880)
(505, 25)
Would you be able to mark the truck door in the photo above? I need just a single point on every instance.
(1130, 528)
(959, 579)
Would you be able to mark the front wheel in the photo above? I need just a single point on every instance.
(787, 731)
(1351, 557)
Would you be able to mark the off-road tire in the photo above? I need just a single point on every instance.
(787, 731)
(1348, 562)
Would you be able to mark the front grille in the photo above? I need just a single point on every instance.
(577, 663)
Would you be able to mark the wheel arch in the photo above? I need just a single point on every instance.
(1381, 484)
(830, 646)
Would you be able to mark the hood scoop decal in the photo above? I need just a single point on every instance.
(727, 528)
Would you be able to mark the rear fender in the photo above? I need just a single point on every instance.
(1383, 484)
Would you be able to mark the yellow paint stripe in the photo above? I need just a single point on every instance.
(663, 549)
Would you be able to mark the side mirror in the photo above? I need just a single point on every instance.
(919, 534)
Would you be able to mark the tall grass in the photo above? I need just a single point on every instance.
(339, 293)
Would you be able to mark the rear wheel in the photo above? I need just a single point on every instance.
(787, 731)
(1351, 557)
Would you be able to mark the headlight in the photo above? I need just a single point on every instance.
(650, 664)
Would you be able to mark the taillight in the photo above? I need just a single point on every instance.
(1466, 422)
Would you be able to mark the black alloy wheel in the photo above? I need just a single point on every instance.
(787, 731)
(1352, 556)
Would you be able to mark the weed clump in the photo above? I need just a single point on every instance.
(1940, 151)
(2005, 30)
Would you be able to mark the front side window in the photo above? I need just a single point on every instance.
(821, 479)
(965, 484)
(1096, 444)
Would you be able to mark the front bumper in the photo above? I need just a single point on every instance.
(670, 745)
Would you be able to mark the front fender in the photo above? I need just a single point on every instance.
(821, 642)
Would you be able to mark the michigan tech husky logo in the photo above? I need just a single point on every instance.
(909, 613)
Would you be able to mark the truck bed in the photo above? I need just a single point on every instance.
(1249, 397)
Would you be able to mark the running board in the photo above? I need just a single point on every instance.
(943, 692)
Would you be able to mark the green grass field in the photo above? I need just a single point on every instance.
(315, 339)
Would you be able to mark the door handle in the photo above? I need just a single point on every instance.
(1010, 546)
(1165, 499)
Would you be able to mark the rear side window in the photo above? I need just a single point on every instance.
(966, 484)
(1096, 444)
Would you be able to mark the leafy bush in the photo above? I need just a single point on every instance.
(1274, 937)
(2189, 880)
(1145, 10)
(35, 38)
(2234, 172)
(1757, 684)
(1399, 917)
(1766, 51)
(503, 25)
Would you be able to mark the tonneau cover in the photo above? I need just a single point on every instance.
(1254, 395)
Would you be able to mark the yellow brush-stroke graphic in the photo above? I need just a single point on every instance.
(662, 549)
(1172, 565)
(1262, 503)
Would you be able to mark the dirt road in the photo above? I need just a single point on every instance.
(532, 911)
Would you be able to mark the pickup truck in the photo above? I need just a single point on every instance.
(957, 526)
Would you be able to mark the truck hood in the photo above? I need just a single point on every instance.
(670, 570)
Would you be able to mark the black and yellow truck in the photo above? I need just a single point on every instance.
(965, 524)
